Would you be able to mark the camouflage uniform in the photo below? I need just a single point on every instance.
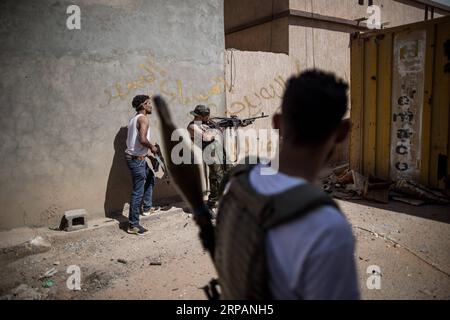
(215, 177)
(217, 169)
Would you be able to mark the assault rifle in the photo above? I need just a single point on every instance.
(235, 122)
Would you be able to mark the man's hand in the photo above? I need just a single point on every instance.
(154, 149)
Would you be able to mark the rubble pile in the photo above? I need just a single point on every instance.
(347, 184)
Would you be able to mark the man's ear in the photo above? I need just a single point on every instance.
(277, 122)
(343, 130)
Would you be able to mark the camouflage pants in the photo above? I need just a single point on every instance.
(215, 177)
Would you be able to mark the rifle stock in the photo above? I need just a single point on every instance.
(186, 176)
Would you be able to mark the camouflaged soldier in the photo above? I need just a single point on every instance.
(201, 127)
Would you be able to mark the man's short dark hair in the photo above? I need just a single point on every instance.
(139, 100)
(313, 106)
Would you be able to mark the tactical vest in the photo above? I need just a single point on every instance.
(244, 218)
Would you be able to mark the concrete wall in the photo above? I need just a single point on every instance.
(308, 43)
(239, 12)
(255, 83)
(66, 96)
(329, 50)
(271, 36)
(395, 13)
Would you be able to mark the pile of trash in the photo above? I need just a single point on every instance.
(346, 184)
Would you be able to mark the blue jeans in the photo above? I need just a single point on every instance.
(143, 183)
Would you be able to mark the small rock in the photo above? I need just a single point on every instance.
(185, 225)
(155, 263)
(56, 263)
(122, 261)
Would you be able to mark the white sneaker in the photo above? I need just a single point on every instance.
(149, 212)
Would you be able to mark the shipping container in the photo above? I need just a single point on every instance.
(400, 101)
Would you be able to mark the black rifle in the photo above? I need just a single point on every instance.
(158, 160)
(235, 122)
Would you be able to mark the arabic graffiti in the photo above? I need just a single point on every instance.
(253, 101)
(156, 79)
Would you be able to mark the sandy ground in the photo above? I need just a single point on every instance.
(411, 245)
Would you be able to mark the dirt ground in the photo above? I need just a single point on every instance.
(410, 245)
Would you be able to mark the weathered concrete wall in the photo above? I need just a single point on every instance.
(395, 13)
(330, 50)
(309, 47)
(66, 96)
(255, 83)
(269, 37)
(239, 12)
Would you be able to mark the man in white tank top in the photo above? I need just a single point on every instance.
(138, 147)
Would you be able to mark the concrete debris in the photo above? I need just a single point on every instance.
(351, 185)
(327, 188)
(74, 220)
(339, 170)
(34, 246)
(417, 191)
(346, 184)
(411, 201)
(38, 245)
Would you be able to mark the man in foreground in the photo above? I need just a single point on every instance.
(279, 235)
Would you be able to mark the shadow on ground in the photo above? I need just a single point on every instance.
(438, 213)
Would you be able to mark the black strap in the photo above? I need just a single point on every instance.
(281, 208)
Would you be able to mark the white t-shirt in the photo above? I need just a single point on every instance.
(311, 257)
(134, 146)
